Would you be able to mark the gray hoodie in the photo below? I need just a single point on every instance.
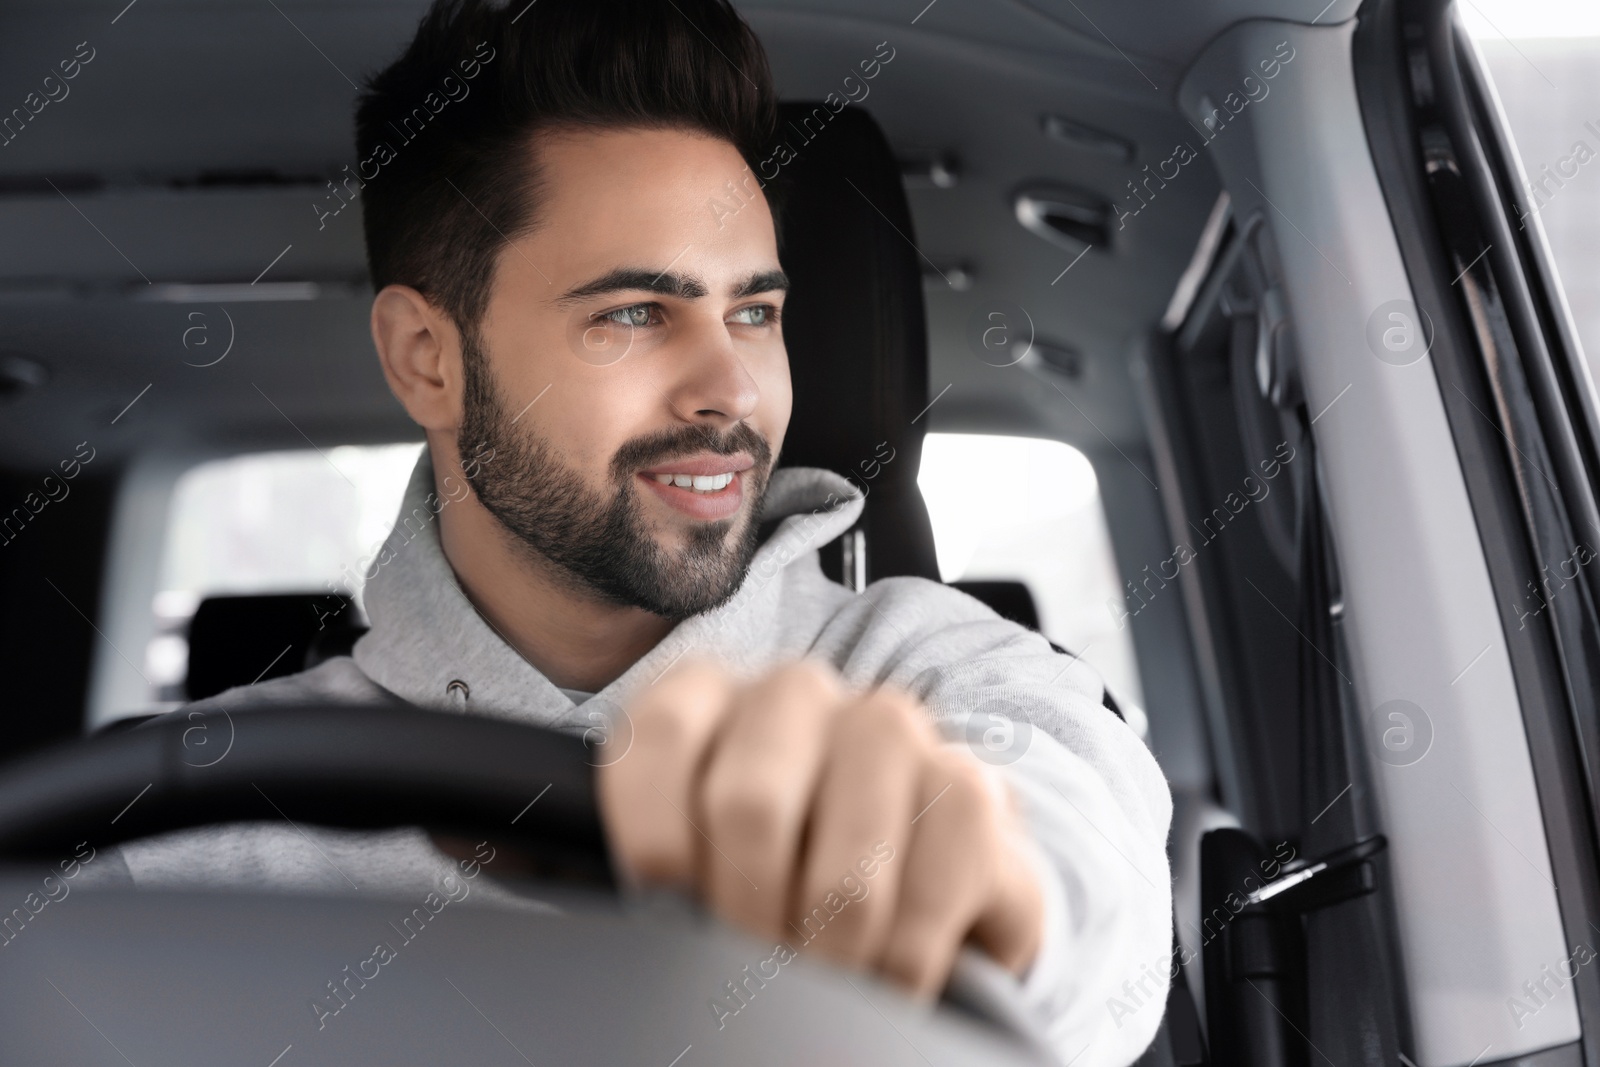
(1093, 795)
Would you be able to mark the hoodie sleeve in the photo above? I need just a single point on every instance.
(1095, 799)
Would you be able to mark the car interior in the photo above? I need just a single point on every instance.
(1101, 224)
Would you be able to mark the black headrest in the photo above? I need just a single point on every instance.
(1011, 600)
(237, 640)
(854, 325)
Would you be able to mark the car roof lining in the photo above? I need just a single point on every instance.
(102, 196)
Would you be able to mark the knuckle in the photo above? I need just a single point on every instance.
(972, 786)
(844, 929)
(666, 726)
(849, 934)
(798, 694)
(887, 716)
(673, 713)
(910, 960)
(653, 850)
(652, 862)
(809, 675)
(745, 811)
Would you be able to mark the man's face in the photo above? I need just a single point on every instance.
(632, 337)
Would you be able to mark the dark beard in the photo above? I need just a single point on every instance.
(601, 539)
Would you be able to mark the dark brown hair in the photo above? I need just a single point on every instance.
(445, 134)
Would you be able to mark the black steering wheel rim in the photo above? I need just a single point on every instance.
(356, 768)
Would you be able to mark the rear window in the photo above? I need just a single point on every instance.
(1028, 509)
(271, 522)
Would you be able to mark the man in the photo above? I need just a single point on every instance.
(600, 359)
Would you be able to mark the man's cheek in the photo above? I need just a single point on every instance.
(776, 408)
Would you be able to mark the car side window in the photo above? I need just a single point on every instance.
(1543, 59)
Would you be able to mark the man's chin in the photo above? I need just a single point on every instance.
(699, 543)
(705, 563)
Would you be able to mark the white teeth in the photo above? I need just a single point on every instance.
(700, 483)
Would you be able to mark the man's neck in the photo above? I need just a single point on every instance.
(573, 639)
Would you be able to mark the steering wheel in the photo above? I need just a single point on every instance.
(202, 977)
(353, 768)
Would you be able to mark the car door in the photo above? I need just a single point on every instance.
(1521, 403)
(1400, 650)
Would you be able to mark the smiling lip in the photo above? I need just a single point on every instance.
(704, 463)
(707, 507)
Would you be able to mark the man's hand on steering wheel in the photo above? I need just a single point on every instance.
(772, 799)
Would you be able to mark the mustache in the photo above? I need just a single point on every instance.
(653, 449)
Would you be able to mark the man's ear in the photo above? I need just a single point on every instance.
(420, 350)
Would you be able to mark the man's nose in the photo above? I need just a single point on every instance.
(712, 382)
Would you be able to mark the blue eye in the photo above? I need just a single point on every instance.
(756, 315)
(637, 315)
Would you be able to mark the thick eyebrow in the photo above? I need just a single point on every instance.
(766, 281)
(634, 279)
(666, 283)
